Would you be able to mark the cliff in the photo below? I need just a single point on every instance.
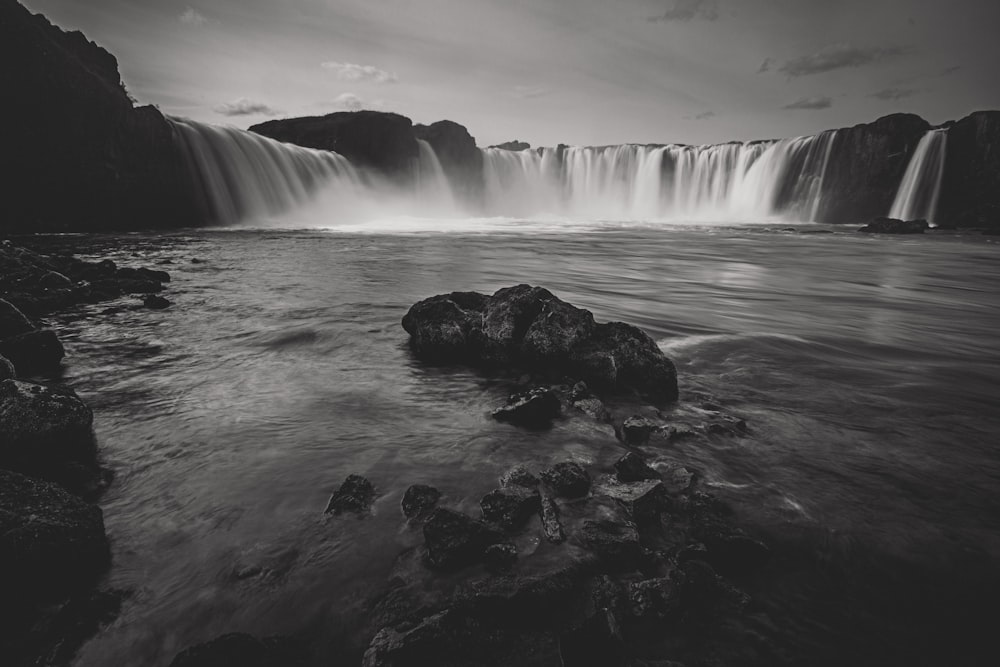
(970, 189)
(77, 153)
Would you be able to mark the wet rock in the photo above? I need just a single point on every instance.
(500, 557)
(519, 476)
(678, 480)
(568, 479)
(511, 506)
(422, 643)
(12, 321)
(50, 540)
(34, 351)
(455, 540)
(551, 526)
(895, 226)
(598, 641)
(142, 273)
(54, 280)
(636, 430)
(733, 552)
(702, 589)
(528, 326)
(631, 468)
(419, 499)
(536, 408)
(72, 624)
(726, 425)
(43, 423)
(653, 597)
(615, 542)
(593, 408)
(155, 302)
(354, 495)
(242, 650)
(643, 500)
(7, 371)
(692, 551)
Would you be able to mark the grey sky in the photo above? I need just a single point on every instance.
(549, 71)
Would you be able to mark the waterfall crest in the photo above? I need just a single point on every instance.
(917, 196)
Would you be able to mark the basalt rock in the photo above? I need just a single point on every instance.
(7, 370)
(631, 468)
(461, 160)
(51, 542)
(528, 326)
(43, 424)
(511, 506)
(419, 499)
(894, 226)
(535, 408)
(354, 495)
(615, 542)
(34, 352)
(519, 476)
(568, 479)
(970, 187)
(514, 145)
(455, 540)
(155, 302)
(551, 526)
(500, 557)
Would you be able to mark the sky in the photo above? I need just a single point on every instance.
(580, 72)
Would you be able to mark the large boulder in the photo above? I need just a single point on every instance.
(568, 479)
(33, 352)
(50, 541)
(354, 495)
(43, 424)
(529, 326)
(455, 540)
(510, 507)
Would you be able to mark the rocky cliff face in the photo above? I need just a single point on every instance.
(460, 158)
(867, 163)
(970, 190)
(376, 139)
(77, 153)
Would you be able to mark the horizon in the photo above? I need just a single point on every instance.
(785, 69)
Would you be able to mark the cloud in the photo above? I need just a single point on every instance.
(190, 16)
(353, 72)
(765, 66)
(527, 92)
(813, 103)
(949, 70)
(893, 94)
(688, 10)
(243, 106)
(838, 56)
(349, 101)
(704, 115)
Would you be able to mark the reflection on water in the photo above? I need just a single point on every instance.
(866, 368)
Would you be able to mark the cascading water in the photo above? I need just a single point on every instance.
(244, 176)
(736, 181)
(432, 183)
(920, 188)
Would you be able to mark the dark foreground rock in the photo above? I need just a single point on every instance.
(534, 409)
(525, 326)
(894, 226)
(242, 650)
(631, 468)
(511, 506)
(51, 542)
(568, 479)
(455, 540)
(419, 499)
(354, 495)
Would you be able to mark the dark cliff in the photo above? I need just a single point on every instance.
(867, 163)
(970, 189)
(460, 158)
(377, 139)
(77, 153)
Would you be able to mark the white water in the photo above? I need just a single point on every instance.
(247, 179)
(918, 193)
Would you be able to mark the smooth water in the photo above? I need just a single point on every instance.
(867, 370)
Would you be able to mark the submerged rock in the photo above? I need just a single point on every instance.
(455, 540)
(242, 650)
(535, 408)
(895, 226)
(354, 495)
(50, 540)
(631, 468)
(529, 326)
(568, 479)
(511, 506)
(419, 499)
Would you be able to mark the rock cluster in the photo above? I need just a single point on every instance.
(894, 226)
(529, 327)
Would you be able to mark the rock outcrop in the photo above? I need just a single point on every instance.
(514, 145)
(970, 189)
(460, 158)
(894, 226)
(525, 326)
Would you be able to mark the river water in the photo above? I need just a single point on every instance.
(866, 367)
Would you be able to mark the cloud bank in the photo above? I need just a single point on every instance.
(190, 16)
(245, 107)
(838, 56)
(811, 103)
(688, 10)
(355, 72)
(893, 94)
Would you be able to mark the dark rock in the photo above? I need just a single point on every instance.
(535, 409)
(593, 408)
(615, 542)
(702, 589)
(643, 500)
(384, 141)
(894, 226)
(58, 637)
(519, 476)
(678, 480)
(734, 553)
(33, 352)
(12, 321)
(242, 650)
(598, 641)
(653, 597)
(514, 145)
(423, 643)
(511, 506)
(155, 302)
(636, 430)
(42, 423)
(50, 540)
(455, 540)
(693, 551)
(460, 158)
(354, 495)
(551, 526)
(54, 280)
(631, 468)
(7, 370)
(970, 187)
(568, 479)
(142, 274)
(500, 557)
(419, 499)
(525, 325)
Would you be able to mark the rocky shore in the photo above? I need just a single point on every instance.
(628, 561)
(53, 547)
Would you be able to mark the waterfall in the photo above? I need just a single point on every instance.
(735, 181)
(917, 196)
(244, 176)
(431, 181)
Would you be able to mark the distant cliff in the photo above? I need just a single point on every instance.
(77, 154)
(970, 191)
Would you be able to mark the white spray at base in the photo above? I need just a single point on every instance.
(917, 197)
